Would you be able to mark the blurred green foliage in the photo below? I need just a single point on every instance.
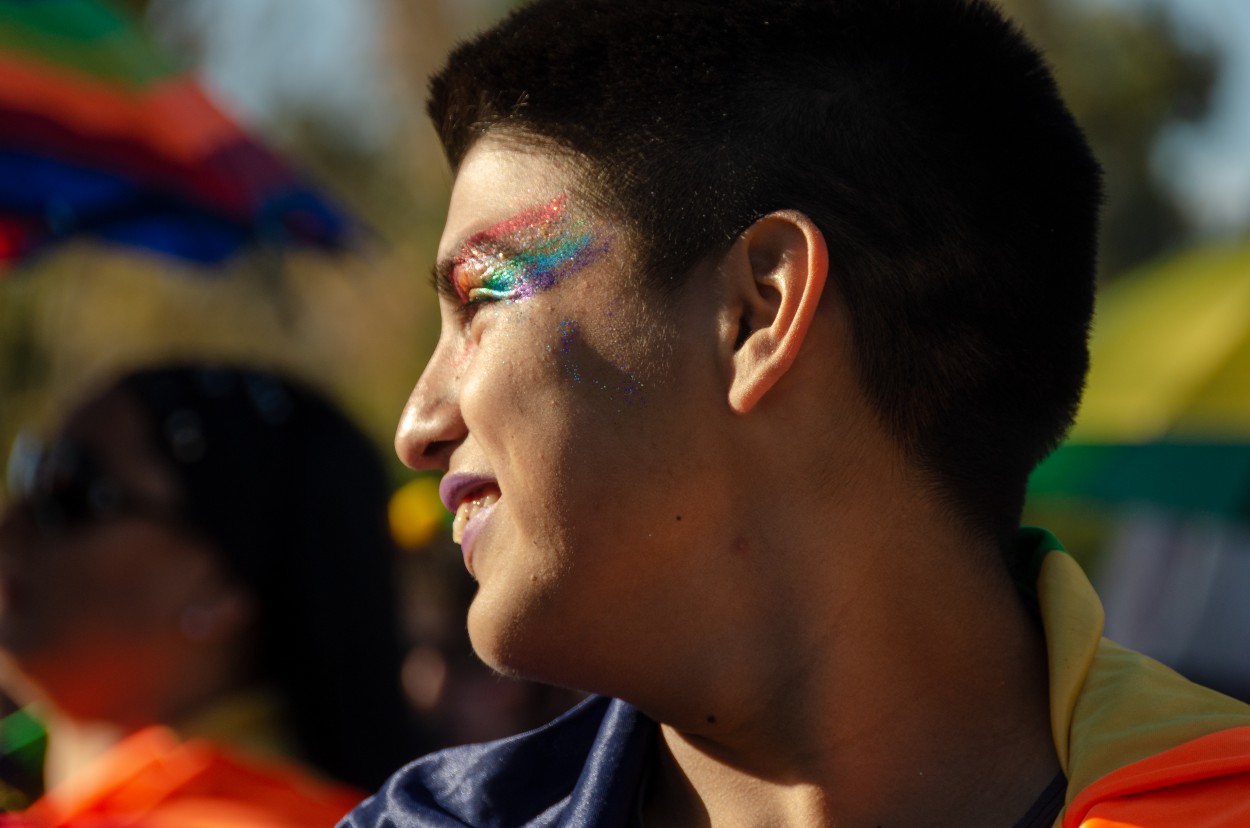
(1127, 78)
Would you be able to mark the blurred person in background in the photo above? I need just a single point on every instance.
(197, 588)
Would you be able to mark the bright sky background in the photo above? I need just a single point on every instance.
(265, 56)
(1209, 165)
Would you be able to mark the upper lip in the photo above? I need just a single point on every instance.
(455, 487)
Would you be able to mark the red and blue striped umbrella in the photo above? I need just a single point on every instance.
(101, 134)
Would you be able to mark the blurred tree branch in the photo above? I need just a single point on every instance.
(1127, 78)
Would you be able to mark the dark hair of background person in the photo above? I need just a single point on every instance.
(293, 496)
(958, 198)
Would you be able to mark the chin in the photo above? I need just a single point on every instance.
(516, 644)
(493, 638)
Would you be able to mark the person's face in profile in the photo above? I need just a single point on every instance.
(95, 570)
(568, 405)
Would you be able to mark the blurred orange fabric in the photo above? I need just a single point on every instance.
(153, 780)
(1200, 784)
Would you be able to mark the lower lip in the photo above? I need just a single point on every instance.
(471, 530)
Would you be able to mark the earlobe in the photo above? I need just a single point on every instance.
(778, 269)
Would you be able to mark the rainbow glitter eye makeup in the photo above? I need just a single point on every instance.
(524, 255)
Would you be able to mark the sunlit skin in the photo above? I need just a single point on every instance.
(747, 557)
(557, 445)
(512, 261)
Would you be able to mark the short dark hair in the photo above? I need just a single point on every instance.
(925, 138)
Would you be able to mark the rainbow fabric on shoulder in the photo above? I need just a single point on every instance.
(1142, 747)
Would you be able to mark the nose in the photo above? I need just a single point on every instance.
(431, 425)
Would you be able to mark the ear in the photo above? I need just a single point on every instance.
(777, 270)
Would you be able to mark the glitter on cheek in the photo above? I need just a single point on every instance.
(631, 390)
(617, 381)
(568, 332)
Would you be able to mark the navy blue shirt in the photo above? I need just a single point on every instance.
(583, 769)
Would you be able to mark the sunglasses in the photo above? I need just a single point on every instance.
(63, 486)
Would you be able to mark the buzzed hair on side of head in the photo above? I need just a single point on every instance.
(925, 138)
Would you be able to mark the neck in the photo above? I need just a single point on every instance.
(852, 705)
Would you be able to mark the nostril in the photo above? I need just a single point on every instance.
(438, 453)
(424, 455)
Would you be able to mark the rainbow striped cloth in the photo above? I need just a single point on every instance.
(104, 135)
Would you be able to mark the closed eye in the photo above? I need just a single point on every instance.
(487, 275)
(518, 258)
(467, 293)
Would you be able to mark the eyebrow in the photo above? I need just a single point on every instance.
(495, 239)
